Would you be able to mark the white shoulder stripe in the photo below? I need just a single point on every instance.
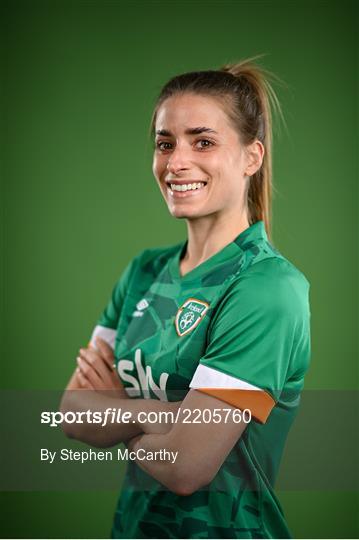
(107, 334)
(206, 377)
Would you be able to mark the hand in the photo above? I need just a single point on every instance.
(131, 443)
(96, 370)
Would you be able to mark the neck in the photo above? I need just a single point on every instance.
(208, 235)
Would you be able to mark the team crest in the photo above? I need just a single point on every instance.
(189, 315)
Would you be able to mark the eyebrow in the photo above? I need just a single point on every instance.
(189, 131)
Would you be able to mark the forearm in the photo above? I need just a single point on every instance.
(199, 449)
(111, 433)
(161, 458)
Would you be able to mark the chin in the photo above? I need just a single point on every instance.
(181, 213)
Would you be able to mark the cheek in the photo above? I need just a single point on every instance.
(220, 172)
(229, 169)
(156, 167)
(211, 165)
(154, 171)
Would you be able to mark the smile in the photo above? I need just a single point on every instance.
(187, 187)
(180, 190)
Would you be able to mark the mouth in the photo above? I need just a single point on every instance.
(177, 188)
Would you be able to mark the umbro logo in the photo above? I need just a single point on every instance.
(140, 307)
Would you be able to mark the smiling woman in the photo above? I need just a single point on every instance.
(215, 329)
(198, 175)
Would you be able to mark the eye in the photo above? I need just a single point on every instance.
(210, 143)
(160, 143)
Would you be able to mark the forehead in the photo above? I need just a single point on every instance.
(186, 110)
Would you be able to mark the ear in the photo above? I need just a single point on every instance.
(254, 153)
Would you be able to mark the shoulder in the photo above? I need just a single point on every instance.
(275, 274)
(151, 260)
(273, 285)
(150, 255)
(144, 267)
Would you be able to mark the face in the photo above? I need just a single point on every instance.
(199, 162)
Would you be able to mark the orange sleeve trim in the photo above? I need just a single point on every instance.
(259, 402)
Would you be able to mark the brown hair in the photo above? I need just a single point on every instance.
(247, 96)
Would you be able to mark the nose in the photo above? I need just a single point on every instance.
(177, 161)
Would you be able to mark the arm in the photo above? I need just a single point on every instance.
(95, 386)
(202, 447)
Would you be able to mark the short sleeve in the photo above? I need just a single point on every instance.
(106, 326)
(258, 338)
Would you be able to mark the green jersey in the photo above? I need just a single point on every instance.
(236, 327)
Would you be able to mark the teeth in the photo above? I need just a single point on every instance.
(187, 187)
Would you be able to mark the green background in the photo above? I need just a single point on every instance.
(78, 197)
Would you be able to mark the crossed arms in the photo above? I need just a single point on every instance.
(202, 447)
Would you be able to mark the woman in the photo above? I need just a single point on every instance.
(217, 325)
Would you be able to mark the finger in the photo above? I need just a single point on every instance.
(109, 376)
(84, 382)
(131, 443)
(92, 356)
(116, 381)
(106, 351)
(102, 376)
(88, 371)
(96, 357)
